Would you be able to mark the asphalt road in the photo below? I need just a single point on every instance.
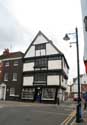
(37, 114)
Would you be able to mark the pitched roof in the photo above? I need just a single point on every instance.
(40, 33)
(11, 55)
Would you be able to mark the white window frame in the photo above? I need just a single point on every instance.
(28, 93)
(14, 77)
(46, 92)
(6, 77)
(7, 64)
(15, 63)
(12, 92)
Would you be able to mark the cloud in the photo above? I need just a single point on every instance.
(11, 33)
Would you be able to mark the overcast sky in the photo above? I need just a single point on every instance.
(20, 20)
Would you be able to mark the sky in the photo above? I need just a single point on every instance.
(20, 21)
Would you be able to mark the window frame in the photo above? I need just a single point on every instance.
(6, 76)
(40, 78)
(41, 62)
(28, 93)
(40, 46)
(14, 78)
(48, 93)
(12, 92)
(15, 63)
(7, 64)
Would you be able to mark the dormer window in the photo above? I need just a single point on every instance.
(85, 21)
(40, 46)
(40, 49)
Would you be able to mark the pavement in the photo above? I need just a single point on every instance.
(71, 119)
(84, 119)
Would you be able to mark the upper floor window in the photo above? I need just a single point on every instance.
(41, 62)
(40, 49)
(7, 64)
(40, 46)
(40, 77)
(15, 63)
(85, 21)
(14, 76)
(6, 77)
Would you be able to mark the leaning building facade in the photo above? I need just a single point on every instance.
(45, 72)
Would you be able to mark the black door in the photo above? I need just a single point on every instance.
(37, 96)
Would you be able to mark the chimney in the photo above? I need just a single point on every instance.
(6, 52)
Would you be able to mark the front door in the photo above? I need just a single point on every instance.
(2, 91)
(37, 96)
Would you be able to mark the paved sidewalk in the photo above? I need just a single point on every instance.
(84, 119)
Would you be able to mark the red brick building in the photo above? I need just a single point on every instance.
(1, 70)
(10, 75)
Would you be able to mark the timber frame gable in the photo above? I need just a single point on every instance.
(48, 41)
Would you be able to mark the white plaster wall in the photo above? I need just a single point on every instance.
(43, 52)
(40, 39)
(60, 95)
(38, 53)
(65, 68)
(54, 64)
(84, 13)
(28, 81)
(50, 49)
(85, 45)
(84, 7)
(64, 83)
(53, 80)
(28, 66)
(31, 52)
(83, 80)
(75, 88)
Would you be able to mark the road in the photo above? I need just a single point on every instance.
(15, 113)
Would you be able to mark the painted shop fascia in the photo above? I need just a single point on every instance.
(45, 71)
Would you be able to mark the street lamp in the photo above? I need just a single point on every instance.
(78, 108)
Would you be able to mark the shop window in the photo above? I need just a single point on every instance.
(48, 93)
(28, 93)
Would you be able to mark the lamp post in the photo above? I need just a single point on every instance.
(78, 108)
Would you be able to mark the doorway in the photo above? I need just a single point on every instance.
(37, 96)
(2, 91)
